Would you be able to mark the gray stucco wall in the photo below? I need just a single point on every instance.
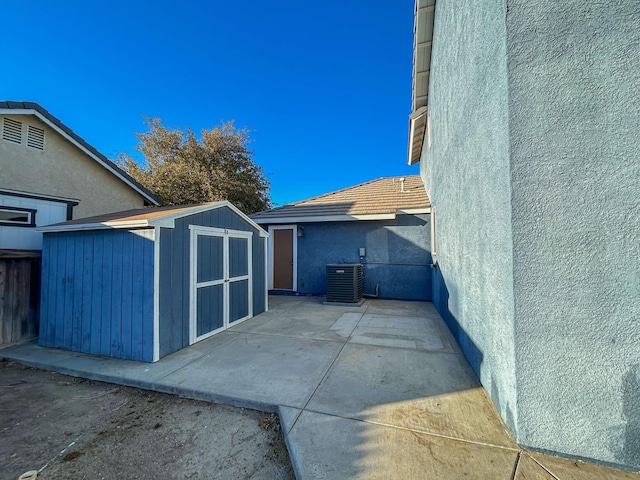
(397, 255)
(533, 165)
(574, 77)
(465, 167)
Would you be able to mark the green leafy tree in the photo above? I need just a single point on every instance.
(182, 169)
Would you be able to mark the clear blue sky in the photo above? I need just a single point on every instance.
(325, 86)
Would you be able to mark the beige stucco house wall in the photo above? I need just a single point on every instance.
(63, 169)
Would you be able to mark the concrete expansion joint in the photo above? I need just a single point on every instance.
(517, 463)
(515, 466)
(421, 432)
(266, 334)
(326, 373)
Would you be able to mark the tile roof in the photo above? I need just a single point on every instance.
(376, 197)
(9, 105)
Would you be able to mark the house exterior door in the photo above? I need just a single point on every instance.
(220, 280)
(283, 258)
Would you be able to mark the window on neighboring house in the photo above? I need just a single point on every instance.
(35, 137)
(17, 217)
(11, 130)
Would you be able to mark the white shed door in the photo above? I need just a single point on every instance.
(220, 289)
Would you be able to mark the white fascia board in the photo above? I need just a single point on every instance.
(413, 211)
(13, 111)
(417, 121)
(50, 198)
(328, 218)
(94, 226)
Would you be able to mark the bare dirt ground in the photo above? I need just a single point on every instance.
(74, 428)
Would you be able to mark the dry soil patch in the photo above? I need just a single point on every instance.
(74, 428)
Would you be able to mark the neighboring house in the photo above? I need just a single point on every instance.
(525, 123)
(46, 167)
(383, 224)
(48, 174)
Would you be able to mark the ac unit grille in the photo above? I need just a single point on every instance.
(344, 283)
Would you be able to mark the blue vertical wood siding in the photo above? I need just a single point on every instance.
(174, 273)
(97, 293)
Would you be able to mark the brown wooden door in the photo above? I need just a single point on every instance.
(283, 259)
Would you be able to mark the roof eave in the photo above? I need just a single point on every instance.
(417, 128)
(424, 15)
(325, 218)
(341, 218)
(94, 226)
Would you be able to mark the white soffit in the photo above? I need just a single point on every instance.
(424, 15)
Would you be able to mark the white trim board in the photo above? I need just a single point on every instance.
(156, 295)
(225, 281)
(342, 218)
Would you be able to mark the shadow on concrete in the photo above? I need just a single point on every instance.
(441, 302)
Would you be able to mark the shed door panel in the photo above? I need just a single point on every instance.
(210, 309)
(210, 258)
(239, 292)
(238, 300)
(210, 284)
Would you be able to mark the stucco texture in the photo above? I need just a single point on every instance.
(574, 110)
(397, 255)
(65, 171)
(533, 166)
(465, 166)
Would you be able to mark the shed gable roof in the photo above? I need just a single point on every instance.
(382, 198)
(32, 108)
(144, 218)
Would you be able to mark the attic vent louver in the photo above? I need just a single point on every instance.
(35, 137)
(11, 130)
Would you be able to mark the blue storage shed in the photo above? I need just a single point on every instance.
(144, 283)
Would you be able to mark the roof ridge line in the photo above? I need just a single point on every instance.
(346, 188)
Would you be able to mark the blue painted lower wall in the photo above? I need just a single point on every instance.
(397, 255)
(97, 293)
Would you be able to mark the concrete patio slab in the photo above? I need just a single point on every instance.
(346, 324)
(328, 447)
(422, 391)
(112, 369)
(31, 354)
(379, 391)
(568, 469)
(288, 417)
(260, 368)
(529, 469)
(402, 308)
(315, 325)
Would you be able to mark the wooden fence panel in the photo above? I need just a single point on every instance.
(19, 296)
